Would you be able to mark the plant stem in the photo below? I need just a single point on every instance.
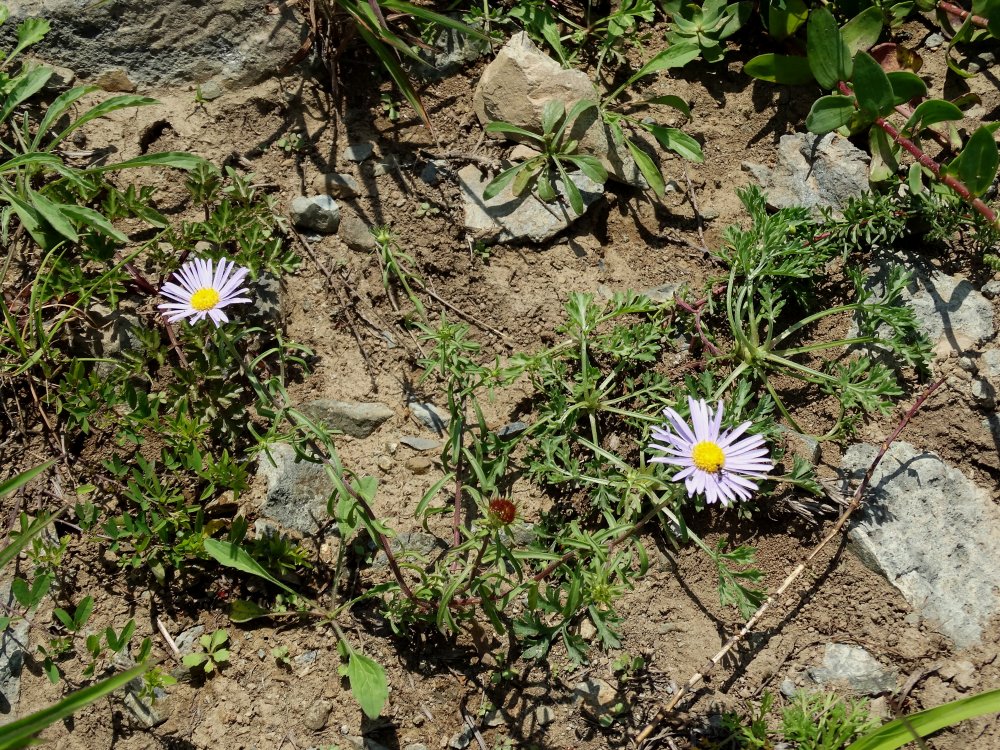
(963, 14)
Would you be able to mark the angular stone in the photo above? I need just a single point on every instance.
(319, 213)
(430, 416)
(521, 79)
(358, 151)
(317, 715)
(506, 218)
(853, 668)
(813, 171)
(297, 491)
(932, 533)
(337, 184)
(356, 419)
(419, 443)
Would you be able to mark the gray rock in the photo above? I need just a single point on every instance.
(431, 173)
(989, 364)
(419, 464)
(185, 641)
(853, 668)
(788, 688)
(813, 171)
(933, 41)
(420, 444)
(320, 213)
(357, 419)
(306, 658)
(236, 43)
(266, 310)
(804, 446)
(430, 416)
(210, 90)
(451, 51)
(297, 491)
(596, 694)
(108, 335)
(13, 646)
(663, 293)
(355, 233)
(521, 79)
(358, 152)
(544, 715)
(991, 289)
(461, 740)
(494, 718)
(511, 430)
(147, 712)
(932, 533)
(412, 543)
(984, 393)
(509, 219)
(950, 308)
(317, 715)
(337, 184)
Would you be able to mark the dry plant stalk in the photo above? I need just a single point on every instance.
(698, 677)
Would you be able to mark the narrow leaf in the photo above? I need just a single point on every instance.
(174, 159)
(27, 86)
(53, 215)
(102, 109)
(647, 167)
(829, 58)
(234, 556)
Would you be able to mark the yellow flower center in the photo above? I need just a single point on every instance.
(205, 299)
(707, 456)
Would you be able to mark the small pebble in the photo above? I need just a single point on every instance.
(419, 464)
(934, 41)
(420, 444)
(385, 463)
(358, 151)
(544, 715)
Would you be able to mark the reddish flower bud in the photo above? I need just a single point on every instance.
(503, 510)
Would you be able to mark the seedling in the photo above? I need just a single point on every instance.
(213, 654)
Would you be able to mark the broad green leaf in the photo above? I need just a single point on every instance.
(368, 683)
(905, 86)
(27, 86)
(976, 165)
(244, 611)
(20, 733)
(83, 611)
(678, 141)
(785, 19)
(552, 112)
(572, 191)
(498, 183)
(174, 159)
(829, 58)
(234, 556)
(63, 616)
(525, 177)
(590, 166)
(785, 69)
(545, 186)
(52, 213)
(110, 105)
(829, 113)
(29, 31)
(871, 86)
(930, 113)
(571, 117)
(899, 732)
(647, 167)
(862, 32)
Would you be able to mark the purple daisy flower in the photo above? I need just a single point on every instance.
(712, 460)
(203, 291)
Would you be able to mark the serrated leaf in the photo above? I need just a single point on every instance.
(871, 86)
(368, 683)
(784, 69)
(976, 165)
(828, 56)
(829, 113)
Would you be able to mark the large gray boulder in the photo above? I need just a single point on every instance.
(521, 79)
(128, 43)
(933, 534)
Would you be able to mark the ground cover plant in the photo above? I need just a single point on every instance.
(151, 377)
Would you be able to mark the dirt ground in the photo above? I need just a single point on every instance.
(628, 241)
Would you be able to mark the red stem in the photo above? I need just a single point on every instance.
(957, 185)
(963, 14)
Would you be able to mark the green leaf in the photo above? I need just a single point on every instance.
(572, 191)
(674, 56)
(102, 109)
(395, 71)
(976, 165)
(590, 166)
(507, 128)
(785, 69)
(63, 616)
(400, 6)
(897, 733)
(829, 58)
(174, 159)
(930, 113)
(862, 32)
(647, 167)
(677, 141)
(193, 660)
(244, 611)
(368, 683)
(83, 612)
(905, 86)
(93, 219)
(56, 110)
(670, 100)
(27, 86)
(829, 113)
(552, 112)
(785, 19)
(871, 86)
(20, 733)
(234, 556)
(526, 176)
(29, 31)
(498, 183)
(53, 215)
(884, 164)
(16, 482)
